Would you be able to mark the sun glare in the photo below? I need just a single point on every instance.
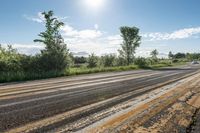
(94, 4)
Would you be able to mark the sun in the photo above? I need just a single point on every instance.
(94, 4)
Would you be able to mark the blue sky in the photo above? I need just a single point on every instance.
(93, 25)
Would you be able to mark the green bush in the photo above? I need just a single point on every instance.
(141, 62)
(9, 59)
(92, 61)
(108, 60)
(175, 60)
(121, 61)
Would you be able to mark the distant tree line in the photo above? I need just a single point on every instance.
(187, 56)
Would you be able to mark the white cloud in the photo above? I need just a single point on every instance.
(87, 40)
(90, 40)
(179, 34)
(145, 50)
(70, 32)
(114, 40)
(28, 49)
(81, 53)
(39, 18)
(96, 26)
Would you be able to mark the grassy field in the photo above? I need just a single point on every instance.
(19, 76)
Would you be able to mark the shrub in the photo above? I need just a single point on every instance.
(108, 60)
(92, 61)
(141, 62)
(175, 61)
(120, 61)
(9, 59)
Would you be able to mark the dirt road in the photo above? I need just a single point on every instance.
(73, 103)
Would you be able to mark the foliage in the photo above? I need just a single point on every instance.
(141, 62)
(120, 61)
(175, 60)
(85, 70)
(55, 56)
(192, 56)
(108, 60)
(131, 40)
(80, 60)
(9, 59)
(184, 56)
(154, 54)
(154, 58)
(179, 55)
(92, 61)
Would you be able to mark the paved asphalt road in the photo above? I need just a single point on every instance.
(22, 103)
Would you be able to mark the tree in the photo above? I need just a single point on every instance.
(120, 61)
(141, 62)
(154, 54)
(179, 55)
(9, 59)
(80, 60)
(92, 61)
(131, 40)
(170, 55)
(108, 60)
(55, 56)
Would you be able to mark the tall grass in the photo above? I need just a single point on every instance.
(85, 70)
(24, 76)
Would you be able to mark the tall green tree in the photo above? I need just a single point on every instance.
(131, 40)
(55, 56)
(154, 54)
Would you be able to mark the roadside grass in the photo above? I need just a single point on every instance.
(161, 65)
(21, 76)
(85, 70)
